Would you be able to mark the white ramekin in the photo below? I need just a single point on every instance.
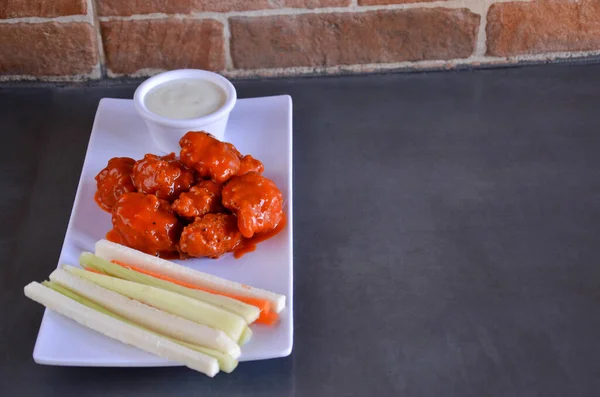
(166, 132)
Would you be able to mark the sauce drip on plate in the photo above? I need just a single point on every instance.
(249, 244)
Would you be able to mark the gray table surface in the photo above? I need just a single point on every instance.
(447, 237)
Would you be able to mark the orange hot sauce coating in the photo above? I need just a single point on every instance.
(231, 147)
(113, 181)
(146, 223)
(231, 209)
(203, 198)
(250, 164)
(211, 236)
(164, 176)
(210, 157)
(256, 201)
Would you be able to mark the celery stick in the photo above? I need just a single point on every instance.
(119, 330)
(248, 312)
(92, 266)
(246, 336)
(182, 306)
(84, 301)
(149, 317)
(226, 362)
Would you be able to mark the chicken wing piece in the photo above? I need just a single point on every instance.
(146, 223)
(211, 235)
(201, 199)
(163, 176)
(250, 164)
(210, 157)
(114, 181)
(256, 201)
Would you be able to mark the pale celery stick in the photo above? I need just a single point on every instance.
(147, 316)
(182, 306)
(226, 362)
(119, 330)
(246, 336)
(92, 266)
(248, 312)
(78, 298)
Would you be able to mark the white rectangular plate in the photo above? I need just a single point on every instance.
(259, 126)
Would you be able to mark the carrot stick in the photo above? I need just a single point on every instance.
(268, 318)
(266, 315)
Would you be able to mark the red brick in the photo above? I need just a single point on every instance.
(543, 26)
(49, 8)
(383, 2)
(352, 38)
(122, 7)
(163, 44)
(47, 49)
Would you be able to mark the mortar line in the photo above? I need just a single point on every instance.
(450, 4)
(481, 43)
(469, 4)
(226, 41)
(417, 65)
(93, 14)
(62, 78)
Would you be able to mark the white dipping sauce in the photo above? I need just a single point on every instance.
(185, 98)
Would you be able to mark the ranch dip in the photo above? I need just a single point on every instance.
(185, 98)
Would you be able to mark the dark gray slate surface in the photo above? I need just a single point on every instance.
(447, 231)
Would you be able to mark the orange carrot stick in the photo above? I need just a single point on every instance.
(266, 315)
(268, 318)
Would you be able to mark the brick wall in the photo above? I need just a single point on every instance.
(91, 39)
